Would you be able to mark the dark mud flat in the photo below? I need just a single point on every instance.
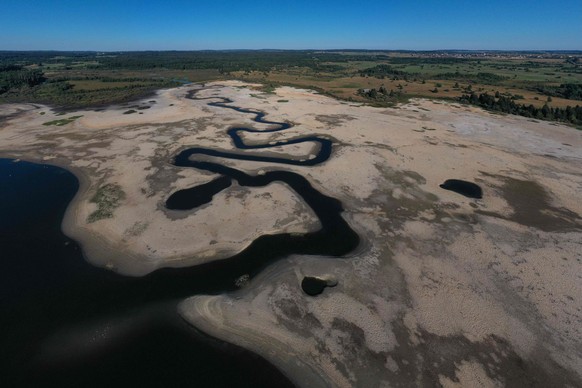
(66, 323)
(532, 206)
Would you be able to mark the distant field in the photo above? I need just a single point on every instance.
(100, 85)
(346, 87)
(86, 84)
(86, 79)
(521, 77)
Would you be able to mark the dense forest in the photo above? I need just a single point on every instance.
(568, 91)
(15, 76)
(224, 61)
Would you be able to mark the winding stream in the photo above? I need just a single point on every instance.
(65, 322)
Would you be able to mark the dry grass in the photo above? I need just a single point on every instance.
(347, 87)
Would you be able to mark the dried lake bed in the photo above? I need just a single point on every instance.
(441, 289)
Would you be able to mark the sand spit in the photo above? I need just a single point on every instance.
(443, 289)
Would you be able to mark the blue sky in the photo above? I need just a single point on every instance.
(107, 25)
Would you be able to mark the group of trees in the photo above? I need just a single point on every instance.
(380, 94)
(15, 77)
(568, 91)
(386, 71)
(505, 104)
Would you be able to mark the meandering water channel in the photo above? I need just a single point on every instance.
(67, 323)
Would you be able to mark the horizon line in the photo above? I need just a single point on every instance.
(298, 49)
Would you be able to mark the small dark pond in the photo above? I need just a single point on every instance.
(468, 189)
(198, 195)
(313, 286)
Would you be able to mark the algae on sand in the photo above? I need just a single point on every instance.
(61, 122)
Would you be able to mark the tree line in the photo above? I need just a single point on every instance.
(224, 61)
(568, 91)
(572, 115)
(486, 78)
(15, 77)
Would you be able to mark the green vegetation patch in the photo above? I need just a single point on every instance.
(383, 71)
(268, 88)
(13, 76)
(282, 100)
(61, 122)
(486, 78)
(382, 97)
(107, 198)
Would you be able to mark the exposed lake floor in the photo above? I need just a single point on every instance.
(67, 323)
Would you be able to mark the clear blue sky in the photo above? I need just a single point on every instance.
(112, 25)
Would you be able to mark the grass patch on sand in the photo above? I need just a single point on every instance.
(107, 198)
(61, 122)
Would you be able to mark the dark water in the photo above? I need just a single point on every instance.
(468, 189)
(313, 286)
(67, 323)
(198, 195)
(324, 145)
(335, 238)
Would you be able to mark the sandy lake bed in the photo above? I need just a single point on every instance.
(442, 289)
